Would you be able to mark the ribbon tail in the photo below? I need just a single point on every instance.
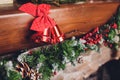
(38, 24)
(52, 23)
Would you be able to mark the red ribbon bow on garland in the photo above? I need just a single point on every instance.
(45, 27)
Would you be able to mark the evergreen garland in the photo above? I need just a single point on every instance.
(50, 59)
(52, 2)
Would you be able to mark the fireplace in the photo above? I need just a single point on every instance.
(73, 20)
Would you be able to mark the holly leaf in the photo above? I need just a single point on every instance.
(111, 34)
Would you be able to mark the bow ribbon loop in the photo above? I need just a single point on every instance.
(35, 10)
(43, 9)
(42, 22)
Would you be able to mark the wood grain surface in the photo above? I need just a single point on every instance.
(73, 20)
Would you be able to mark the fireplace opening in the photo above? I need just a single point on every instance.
(108, 71)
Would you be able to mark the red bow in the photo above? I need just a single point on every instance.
(45, 27)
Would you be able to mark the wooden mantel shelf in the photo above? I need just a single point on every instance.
(73, 20)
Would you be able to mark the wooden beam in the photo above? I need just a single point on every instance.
(73, 20)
